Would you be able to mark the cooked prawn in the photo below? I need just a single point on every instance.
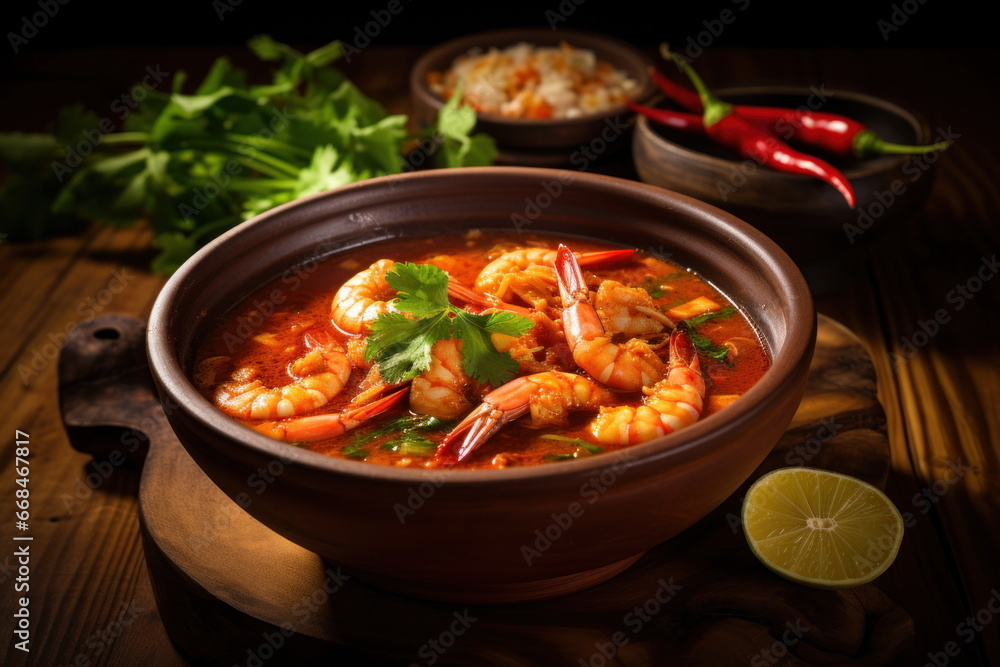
(321, 427)
(320, 374)
(628, 310)
(542, 348)
(629, 366)
(442, 390)
(527, 273)
(363, 298)
(548, 397)
(672, 403)
(367, 294)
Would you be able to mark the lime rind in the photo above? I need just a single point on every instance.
(781, 501)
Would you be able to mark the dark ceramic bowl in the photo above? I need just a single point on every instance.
(531, 138)
(468, 535)
(807, 217)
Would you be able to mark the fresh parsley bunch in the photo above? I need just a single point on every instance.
(196, 164)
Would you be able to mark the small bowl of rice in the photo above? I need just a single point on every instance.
(537, 90)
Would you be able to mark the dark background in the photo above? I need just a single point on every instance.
(758, 23)
(126, 37)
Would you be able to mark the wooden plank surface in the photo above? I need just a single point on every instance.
(91, 602)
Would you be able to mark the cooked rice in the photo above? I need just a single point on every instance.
(526, 81)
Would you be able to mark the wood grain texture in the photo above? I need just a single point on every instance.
(227, 587)
(941, 404)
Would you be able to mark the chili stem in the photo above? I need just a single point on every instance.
(714, 108)
(866, 143)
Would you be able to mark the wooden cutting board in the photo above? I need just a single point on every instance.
(232, 592)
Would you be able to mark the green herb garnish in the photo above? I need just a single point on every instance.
(698, 320)
(197, 163)
(402, 344)
(408, 429)
(410, 444)
(654, 284)
(707, 347)
(581, 448)
(354, 451)
(700, 341)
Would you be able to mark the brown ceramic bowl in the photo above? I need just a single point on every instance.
(466, 536)
(531, 138)
(808, 218)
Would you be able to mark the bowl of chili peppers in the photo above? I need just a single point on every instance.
(820, 171)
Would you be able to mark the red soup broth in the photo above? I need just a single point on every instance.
(267, 331)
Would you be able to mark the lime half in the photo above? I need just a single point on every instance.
(821, 528)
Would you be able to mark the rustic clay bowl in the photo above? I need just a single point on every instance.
(467, 534)
(808, 218)
(533, 139)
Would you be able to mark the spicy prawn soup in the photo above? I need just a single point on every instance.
(296, 354)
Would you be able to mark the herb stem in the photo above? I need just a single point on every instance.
(276, 146)
(262, 162)
(261, 184)
(116, 138)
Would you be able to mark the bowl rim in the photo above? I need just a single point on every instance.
(644, 128)
(684, 446)
(463, 44)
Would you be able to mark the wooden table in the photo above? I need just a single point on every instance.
(924, 302)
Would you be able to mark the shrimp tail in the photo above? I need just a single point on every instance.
(548, 396)
(580, 320)
(477, 427)
(321, 427)
(467, 295)
(682, 351)
(601, 257)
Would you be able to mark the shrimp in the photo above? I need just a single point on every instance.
(629, 366)
(672, 403)
(548, 397)
(629, 310)
(542, 348)
(527, 273)
(321, 427)
(441, 390)
(363, 298)
(320, 374)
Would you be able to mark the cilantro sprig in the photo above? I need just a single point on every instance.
(401, 342)
(196, 160)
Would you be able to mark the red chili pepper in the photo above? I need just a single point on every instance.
(679, 120)
(729, 128)
(688, 99)
(836, 133)
(833, 132)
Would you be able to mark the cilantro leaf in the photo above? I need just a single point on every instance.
(480, 358)
(422, 288)
(254, 146)
(698, 320)
(456, 120)
(702, 342)
(402, 345)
